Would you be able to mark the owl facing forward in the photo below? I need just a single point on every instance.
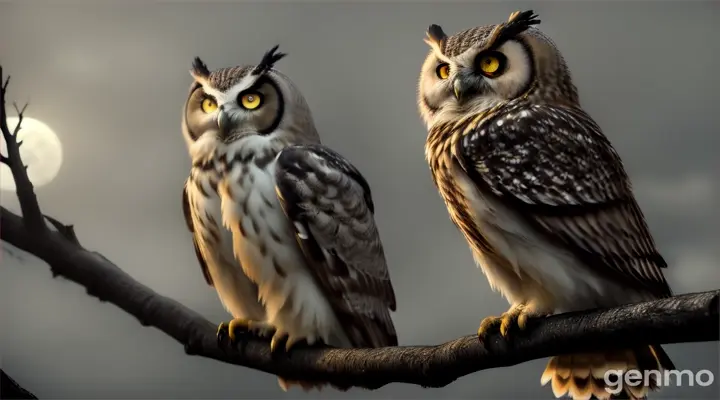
(538, 192)
(283, 227)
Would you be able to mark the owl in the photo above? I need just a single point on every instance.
(538, 192)
(283, 227)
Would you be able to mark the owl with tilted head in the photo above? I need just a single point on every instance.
(283, 227)
(538, 192)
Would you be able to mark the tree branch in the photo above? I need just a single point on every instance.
(686, 318)
(9, 389)
(24, 188)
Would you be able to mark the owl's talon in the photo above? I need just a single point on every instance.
(240, 329)
(278, 343)
(516, 317)
(486, 326)
(522, 321)
(222, 334)
(507, 322)
(282, 343)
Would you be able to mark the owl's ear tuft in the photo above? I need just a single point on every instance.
(517, 23)
(199, 69)
(268, 61)
(436, 33)
(435, 36)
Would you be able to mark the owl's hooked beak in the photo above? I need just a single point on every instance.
(461, 88)
(230, 125)
(466, 85)
(223, 121)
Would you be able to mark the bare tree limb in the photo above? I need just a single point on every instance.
(9, 389)
(24, 188)
(686, 318)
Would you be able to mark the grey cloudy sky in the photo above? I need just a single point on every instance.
(111, 79)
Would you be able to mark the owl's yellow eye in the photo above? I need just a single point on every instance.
(208, 105)
(251, 101)
(491, 64)
(443, 71)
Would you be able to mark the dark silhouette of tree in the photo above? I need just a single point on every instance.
(9, 389)
(684, 318)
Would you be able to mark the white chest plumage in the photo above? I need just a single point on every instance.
(263, 241)
(260, 243)
(236, 291)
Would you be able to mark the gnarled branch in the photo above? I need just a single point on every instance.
(686, 318)
(24, 188)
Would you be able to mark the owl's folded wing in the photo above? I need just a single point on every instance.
(554, 168)
(331, 209)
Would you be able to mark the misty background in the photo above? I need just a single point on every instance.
(111, 79)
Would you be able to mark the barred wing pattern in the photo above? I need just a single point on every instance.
(331, 208)
(553, 166)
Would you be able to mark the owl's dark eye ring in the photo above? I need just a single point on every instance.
(490, 63)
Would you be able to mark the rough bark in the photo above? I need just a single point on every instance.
(685, 318)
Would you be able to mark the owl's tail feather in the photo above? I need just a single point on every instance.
(286, 384)
(583, 376)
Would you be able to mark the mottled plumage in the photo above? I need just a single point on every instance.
(283, 227)
(330, 205)
(537, 189)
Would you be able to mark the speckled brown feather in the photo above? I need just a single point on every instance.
(438, 153)
(225, 78)
(487, 36)
(554, 166)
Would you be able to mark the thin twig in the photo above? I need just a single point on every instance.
(7, 80)
(21, 115)
(24, 188)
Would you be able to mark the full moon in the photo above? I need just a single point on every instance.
(41, 151)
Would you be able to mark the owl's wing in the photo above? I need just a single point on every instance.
(189, 222)
(554, 167)
(331, 209)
